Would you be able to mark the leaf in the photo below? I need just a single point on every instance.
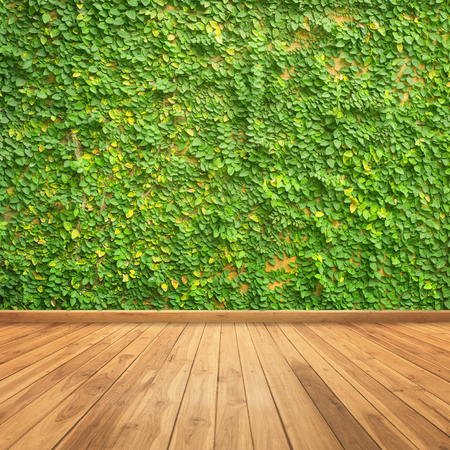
(129, 213)
(67, 226)
(219, 39)
(46, 18)
(184, 279)
(75, 233)
(428, 286)
(174, 283)
(164, 287)
(20, 82)
(353, 208)
(125, 278)
(171, 37)
(131, 14)
(319, 214)
(400, 47)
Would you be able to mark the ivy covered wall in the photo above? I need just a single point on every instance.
(221, 154)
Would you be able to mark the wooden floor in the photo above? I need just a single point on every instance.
(225, 386)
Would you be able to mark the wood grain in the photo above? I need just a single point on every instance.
(55, 386)
(430, 329)
(151, 425)
(101, 427)
(232, 421)
(224, 316)
(420, 432)
(427, 380)
(57, 422)
(29, 358)
(347, 429)
(426, 404)
(304, 425)
(408, 354)
(225, 386)
(37, 371)
(33, 342)
(377, 426)
(194, 426)
(265, 423)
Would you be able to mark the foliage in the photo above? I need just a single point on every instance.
(284, 155)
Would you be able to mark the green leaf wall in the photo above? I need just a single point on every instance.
(218, 154)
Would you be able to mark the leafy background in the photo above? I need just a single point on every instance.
(203, 155)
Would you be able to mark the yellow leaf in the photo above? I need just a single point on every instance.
(174, 283)
(76, 74)
(125, 278)
(164, 287)
(155, 33)
(400, 47)
(319, 214)
(254, 217)
(353, 208)
(75, 233)
(171, 37)
(129, 213)
(341, 280)
(37, 276)
(190, 132)
(219, 39)
(138, 254)
(184, 279)
(132, 273)
(319, 257)
(432, 73)
(374, 26)
(442, 215)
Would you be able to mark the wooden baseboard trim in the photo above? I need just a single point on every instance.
(223, 316)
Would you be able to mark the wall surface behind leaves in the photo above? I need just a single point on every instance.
(218, 154)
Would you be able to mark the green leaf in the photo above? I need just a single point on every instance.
(46, 18)
(67, 226)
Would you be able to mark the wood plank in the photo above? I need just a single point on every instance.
(432, 383)
(415, 346)
(14, 331)
(347, 429)
(419, 431)
(32, 343)
(265, 423)
(430, 329)
(34, 331)
(61, 380)
(225, 316)
(43, 368)
(438, 343)
(304, 425)
(377, 426)
(232, 420)
(428, 405)
(151, 425)
(101, 426)
(390, 344)
(29, 358)
(51, 429)
(194, 426)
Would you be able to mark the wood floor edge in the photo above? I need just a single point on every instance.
(224, 316)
